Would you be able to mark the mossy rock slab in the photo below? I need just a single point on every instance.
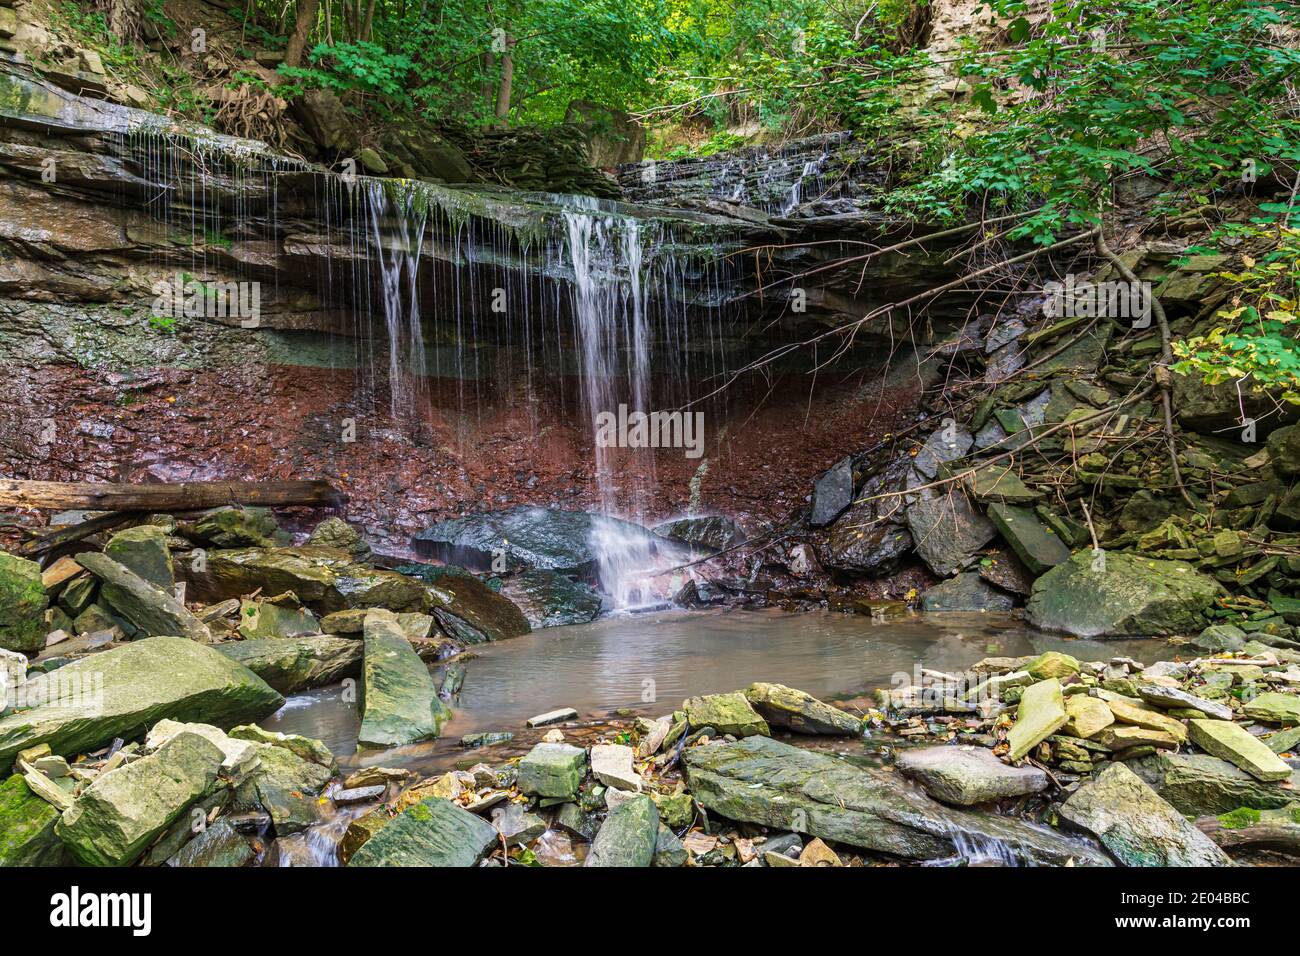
(22, 604)
(434, 832)
(726, 713)
(296, 664)
(27, 828)
(400, 703)
(125, 691)
(769, 783)
(143, 550)
(783, 706)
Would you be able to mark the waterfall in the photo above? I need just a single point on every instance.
(398, 253)
(607, 257)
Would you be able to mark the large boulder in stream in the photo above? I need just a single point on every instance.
(763, 781)
(293, 664)
(1124, 594)
(400, 703)
(125, 691)
(550, 599)
(628, 836)
(530, 537)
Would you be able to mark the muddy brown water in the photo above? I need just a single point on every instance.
(648, 663)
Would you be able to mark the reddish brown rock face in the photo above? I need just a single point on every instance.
(506, 446)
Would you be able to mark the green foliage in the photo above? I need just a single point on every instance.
(1254, 340)
(1185, 92)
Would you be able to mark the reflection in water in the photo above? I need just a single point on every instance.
(649, 663)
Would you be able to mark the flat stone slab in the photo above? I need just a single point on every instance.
(783, 706)
(124, 691)
(434, 832)
(1127, 713)
(359, 794)
(611, 764)
(764, 781)
(400, 701)
(154, 611)
(1173, 697)
(118, 816)
(1086, 716)
(1232, 743)
(1135, 824)
(968, 775)
(1034, 544)
(1041, 714)
(552, 770)
(553, 717)
(1274, 708)
(628, 836)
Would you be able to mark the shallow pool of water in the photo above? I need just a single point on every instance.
(648, 663)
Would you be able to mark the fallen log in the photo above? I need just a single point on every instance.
(181, 496)
(43, 542)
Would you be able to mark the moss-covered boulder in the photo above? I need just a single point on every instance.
(793, 709)
(309, 572)
(628, 836)
(725, 713)
(22, 604)
(125, 691)
(117, 817)
(234, 528)
(27, 828)
(143, 550)
(1123, 594)
(400, 704)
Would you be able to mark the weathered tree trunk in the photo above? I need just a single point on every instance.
(183, 496)
(302, 27)
(506, 85)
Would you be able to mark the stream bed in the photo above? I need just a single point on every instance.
(648, 663)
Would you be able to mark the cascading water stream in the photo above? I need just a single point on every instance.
(398, 251)
(607, 258)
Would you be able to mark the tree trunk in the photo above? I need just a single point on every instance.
(370, 21)
(507, 82)
(302, 28)
(182, 496)
(123, 17)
